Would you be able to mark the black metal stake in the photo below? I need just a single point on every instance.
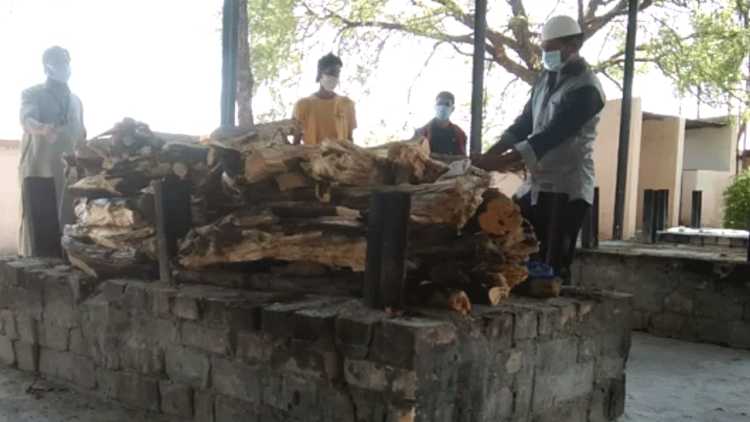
(590, 229)
(649, 216)
(627, 99)
(477, 90)
(173, 220)
(43, 225)
(696, 209)
(387, 240)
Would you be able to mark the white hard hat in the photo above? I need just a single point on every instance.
(560, 27)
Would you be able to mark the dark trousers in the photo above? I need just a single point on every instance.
(557, 223)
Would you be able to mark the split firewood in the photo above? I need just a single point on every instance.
(498, 215)
(101, 185)
(292, 180)
(438, 296)
(104, 262)
(142, 239)
(133, 212)
(410, 161)
(263, 163)
(343, 163)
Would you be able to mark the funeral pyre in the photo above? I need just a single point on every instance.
(256, 198)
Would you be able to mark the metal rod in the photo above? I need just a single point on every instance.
(230, 40)
(627, 100)
(477, 92)
(40, 210)
(649, 215)
(697, 208)
(387, 237)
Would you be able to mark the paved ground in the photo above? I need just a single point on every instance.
(675, 381)
(668, 381)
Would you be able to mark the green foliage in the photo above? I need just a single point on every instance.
(273, 29)
(708, 62)
(737, 203)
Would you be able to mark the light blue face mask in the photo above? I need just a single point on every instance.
(443, 112)
(552, 60)
(59, 73)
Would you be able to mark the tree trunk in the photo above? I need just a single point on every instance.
(245, 80)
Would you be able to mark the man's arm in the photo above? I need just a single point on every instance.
(575, 110)
(352, 121)
(30, 115)
(517, 132)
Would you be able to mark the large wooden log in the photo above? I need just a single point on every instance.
(132, 212)
(141, 239)
(102, 262)
(318, 233)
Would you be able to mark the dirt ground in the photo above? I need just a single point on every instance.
(668, 381)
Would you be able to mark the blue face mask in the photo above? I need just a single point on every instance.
(443, 112)
(59, 73)
(552, 60)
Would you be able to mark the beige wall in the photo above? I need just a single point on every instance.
(712, 184)
(662, 143)
(605, 160)
(10, 205)
(711, 149)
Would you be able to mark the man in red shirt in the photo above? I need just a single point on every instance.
(444, 136)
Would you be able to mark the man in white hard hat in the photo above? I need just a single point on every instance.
(554, 139)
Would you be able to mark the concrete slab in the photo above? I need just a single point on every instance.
(675, 381)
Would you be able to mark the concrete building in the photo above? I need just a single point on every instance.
(10, 208)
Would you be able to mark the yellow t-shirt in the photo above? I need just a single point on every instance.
(320, 119)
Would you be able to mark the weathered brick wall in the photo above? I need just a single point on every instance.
(689, 299)
(216, 354)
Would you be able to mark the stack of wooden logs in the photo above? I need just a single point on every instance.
(264, 200)
(114, 233)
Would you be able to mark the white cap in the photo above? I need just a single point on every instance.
(560, 27)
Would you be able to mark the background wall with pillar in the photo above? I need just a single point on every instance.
(605, 161)
(662, 141)
(10, 192)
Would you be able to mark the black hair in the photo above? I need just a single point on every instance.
(328, 60)
(446, 96)
(54, 54)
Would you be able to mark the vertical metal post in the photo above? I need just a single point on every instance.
(590, 229)
(595, 218)
(173, 220)
(477, 91)
(696, 209)
(42, 221)
(659, 210)
(649, 216)
(624, 145)
(230, 41)
(387, 240)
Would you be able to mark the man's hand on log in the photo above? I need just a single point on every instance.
(508, 162)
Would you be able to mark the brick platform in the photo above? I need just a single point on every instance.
(207, 353)
(692, 299)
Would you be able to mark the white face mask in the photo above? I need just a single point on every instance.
(329, 83)
(552, 60)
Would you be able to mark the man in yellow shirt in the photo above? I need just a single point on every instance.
(325, 114)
